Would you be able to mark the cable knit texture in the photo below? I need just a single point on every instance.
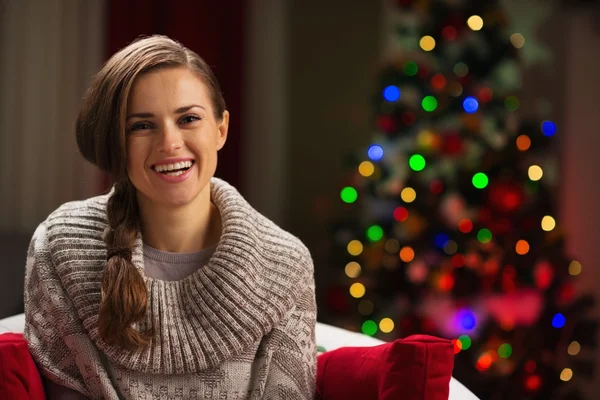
(242, 326)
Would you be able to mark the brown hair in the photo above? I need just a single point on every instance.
(101, 137)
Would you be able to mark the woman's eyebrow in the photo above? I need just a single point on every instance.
(177, 111)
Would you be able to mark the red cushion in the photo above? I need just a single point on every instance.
(416, 368)
(19, 376)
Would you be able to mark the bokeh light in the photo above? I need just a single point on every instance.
(517, 40)
(427, 43)
(470, 104)
(410, 68)
(386, 325)
(484, 235)
(365, 307)
(466, 319)
(375, 152)
(548, 223)
(461, 69)
(355, 247)
(475, 22)
(408, 195)
(465, 225)
(548, 128)
(391, 93)
(480, 180)
(429, 103)
(369, 327)
(400, 214)
(558, 321)
(574, 348)
(533, 382)
(575, 268)
(566, 374)
(366, 168)
(512, 103)
(438, 81)
(375, 233)
(349, 194)
(392, 246)
(407, 254)
(352, 269)
(523, 143)
(440, 240)
(357, 290)
(465, 342)
(505, 350)
(417, 162)
(450, 247)
(522, 247)
(535, 173)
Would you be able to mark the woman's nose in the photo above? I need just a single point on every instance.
(170, 139)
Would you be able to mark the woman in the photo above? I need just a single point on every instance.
(171, 285)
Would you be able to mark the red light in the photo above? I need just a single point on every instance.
(465, 225)
(401, 214)
(449, 33)
(408, 118)
(386, 123)
(438, 81)
(436, 187)
(533, 383)
(485, 94)
(446, 282)
(456, 346)
(484, 361)
(458, 260)
(530, 366)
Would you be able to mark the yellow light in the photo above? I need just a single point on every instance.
(535, 173)
(566, 375)
(427, 43)
(407, 254)
(392, 246)
(357, 290)
(475, 22)
(352, 269)
(366, 168)
(355, 247)
(517, 40)
(574, 348)
(408, 195)
(548, 223)
(575, 268)
(386, 325)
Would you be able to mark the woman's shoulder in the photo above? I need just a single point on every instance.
(93, 208)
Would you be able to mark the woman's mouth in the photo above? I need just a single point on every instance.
(174, 169)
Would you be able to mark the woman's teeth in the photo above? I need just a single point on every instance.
(174, 169)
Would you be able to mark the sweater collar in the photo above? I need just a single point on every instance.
(222, 309)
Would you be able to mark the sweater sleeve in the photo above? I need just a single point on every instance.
(50, 317)
(292, 374)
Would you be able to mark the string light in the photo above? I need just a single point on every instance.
(461, 69)
(470, 104)
(349, 195)
(575, 268)
(457, 346)
(355, 247)
(441, 239)
(366, 168)
(548, 128)
(407, 254)
(517, 40)
(410, 68)
(535, 173)
(369, 328)
(475, 22)
(566, 374)
(365, 307)
(450, 247)
(533, 382)
(484, 361)
(386, 325)
(449, 33)
(352, 269)
(436, 186)
(357, 290)
(375, 152)
(558, 321)
(408, 195)
(438, 81)
(505, 350)
(523, 143)
(465, 342)
(548, 223)
(455, 89)
(391, 93)
(392, 246)
(466, 320)
(522, 247)
(465, 225)
(574, 348)
(458, 260)
(427, 43)
(511, 103)
(484, 235)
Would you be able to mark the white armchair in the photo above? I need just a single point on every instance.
(328, 337)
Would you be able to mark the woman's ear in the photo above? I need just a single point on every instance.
(222, 128)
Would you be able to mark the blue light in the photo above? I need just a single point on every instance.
(440, 240)
(391, 93)
(470, 104)
(549, 128)
(375, 152)
(559, 320)
(466, 319)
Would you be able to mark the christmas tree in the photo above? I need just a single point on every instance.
(449, 217)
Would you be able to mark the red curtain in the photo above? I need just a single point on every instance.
(213, 29)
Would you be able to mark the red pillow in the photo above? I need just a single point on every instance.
(416, 368)
(19, 376)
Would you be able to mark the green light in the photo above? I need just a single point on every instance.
(484, 235)
(349, 195)
(429, 103)
(369, 327)
(480, 180)
(465, 341)
(410, 68)
(511, 103)
(417, 162)
(504, 350)
(374, 233)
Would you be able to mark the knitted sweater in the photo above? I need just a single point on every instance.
(241, 327)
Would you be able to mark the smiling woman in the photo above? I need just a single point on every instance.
(171, 284)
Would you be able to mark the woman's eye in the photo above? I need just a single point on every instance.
(140, 126)
(188, 119)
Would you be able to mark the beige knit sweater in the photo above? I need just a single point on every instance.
(241, 327)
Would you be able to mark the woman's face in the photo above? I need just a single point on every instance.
(172, 137)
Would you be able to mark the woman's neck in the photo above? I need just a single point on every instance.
(185, 229)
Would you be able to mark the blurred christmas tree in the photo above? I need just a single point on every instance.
(449, 216)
